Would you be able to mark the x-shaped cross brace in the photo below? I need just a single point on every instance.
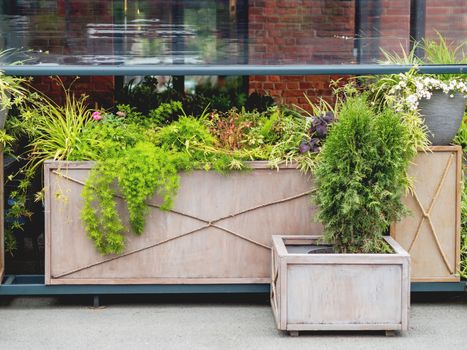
(206, 224)
(426, 216)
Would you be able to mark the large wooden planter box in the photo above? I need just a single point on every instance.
(431, 233)
(311, 292)
(219, 230)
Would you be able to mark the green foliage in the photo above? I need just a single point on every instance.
(383, 95)
(442, 52)
(183, 134)
(435, 52)
(164, 114)
(153, 172)
(9, 242)
(361, 176)
(139, 172)
(461, 137)
(148, 95)
(51, 132)
(13, 90)
(404, 57)
(99, 214)
(107, 138)
(54, 131)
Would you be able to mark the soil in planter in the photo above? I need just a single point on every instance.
(310, 249)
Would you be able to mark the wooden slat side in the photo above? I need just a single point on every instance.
(156, 280)
(2, 221)
(283, 293)
(459, 208)
(344, 327)
(48, 167)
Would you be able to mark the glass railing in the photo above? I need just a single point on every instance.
(209, 34)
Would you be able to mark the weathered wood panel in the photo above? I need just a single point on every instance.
(219, 230)
(2, 199)
(340, 291)
(431, 233)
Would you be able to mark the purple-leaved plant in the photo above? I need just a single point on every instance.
(318, 132)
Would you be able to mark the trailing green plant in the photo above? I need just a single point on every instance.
(138, 173)
(361, 176)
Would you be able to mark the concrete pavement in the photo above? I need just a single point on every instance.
(207, 322)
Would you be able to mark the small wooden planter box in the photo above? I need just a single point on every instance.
(311, 292)
(219, 230)
(431, 233)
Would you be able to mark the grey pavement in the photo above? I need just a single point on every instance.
(209, 322)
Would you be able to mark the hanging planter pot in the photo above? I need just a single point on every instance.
(442, 115)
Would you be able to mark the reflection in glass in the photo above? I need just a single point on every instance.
(219, 32)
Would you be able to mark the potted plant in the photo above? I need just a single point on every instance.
(435, 104)
(438, 98)
(361, 282)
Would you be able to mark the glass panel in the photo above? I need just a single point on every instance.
(217, 32)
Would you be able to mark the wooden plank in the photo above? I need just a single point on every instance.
(405, 295)
(278, 242)
(157, 280)
(459, 165)
(343, 327)
(2, 219)
(48, 167)
(344, 294)
(284, 294)
(87, 165)
(351, 259)
(275, 287)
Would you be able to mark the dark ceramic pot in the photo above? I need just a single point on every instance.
(443, 116)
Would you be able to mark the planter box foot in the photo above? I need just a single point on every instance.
(294, 333)
(96, 302)
(391, 333)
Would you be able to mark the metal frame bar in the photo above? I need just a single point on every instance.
(241, 69)
(16, 285)
(417, 24)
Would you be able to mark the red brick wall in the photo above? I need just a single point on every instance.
(75, 42)
(449, 17)
(100, 90)
(395, 25)
(298, 32)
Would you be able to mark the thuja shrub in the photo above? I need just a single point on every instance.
(361, 176)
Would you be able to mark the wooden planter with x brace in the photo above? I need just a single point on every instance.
(218, 231)
(431, 233)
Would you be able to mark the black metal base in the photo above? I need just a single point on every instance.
(17, 285)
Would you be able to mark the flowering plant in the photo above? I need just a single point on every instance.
(408, 89)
